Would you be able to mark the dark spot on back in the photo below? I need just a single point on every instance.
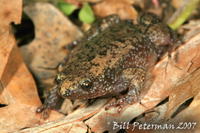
(91, 57)
(103, 52)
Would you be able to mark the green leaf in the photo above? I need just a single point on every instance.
(86, 14)
(184, 15)
(66, 8)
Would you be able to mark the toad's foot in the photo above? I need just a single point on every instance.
(131, 97)
(50, 103)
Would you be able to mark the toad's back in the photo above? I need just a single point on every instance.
(119, 47)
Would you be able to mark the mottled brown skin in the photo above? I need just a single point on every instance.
(97, 27)
(112, 61)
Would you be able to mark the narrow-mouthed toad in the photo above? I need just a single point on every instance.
(112, 60)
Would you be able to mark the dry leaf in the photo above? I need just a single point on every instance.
(177, 3)
(190, 114)
(67, 106)
(185, 90)
(52, 31)
(81, 1)
(78, 115)
(186, 121)
(11, 11)
(152, 116)
(73, 127)
(123, 8)
(189, 30)
(5, 40)
(18, 90)
(158, 114)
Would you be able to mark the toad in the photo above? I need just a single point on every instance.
(111, 60)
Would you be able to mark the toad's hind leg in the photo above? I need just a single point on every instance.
(135, 77)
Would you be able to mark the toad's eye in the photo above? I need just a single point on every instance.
(86, 85)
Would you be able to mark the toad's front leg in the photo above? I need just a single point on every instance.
(50, 103)
(135, 76)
